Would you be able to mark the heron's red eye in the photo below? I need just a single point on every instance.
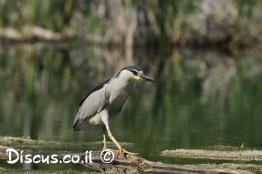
(135, 73)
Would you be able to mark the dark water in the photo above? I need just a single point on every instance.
(201, 98)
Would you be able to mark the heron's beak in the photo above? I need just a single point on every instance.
(147, 78)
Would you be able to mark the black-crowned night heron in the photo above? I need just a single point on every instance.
(107, 100)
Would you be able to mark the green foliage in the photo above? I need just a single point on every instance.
(49, 14)
(170, 15)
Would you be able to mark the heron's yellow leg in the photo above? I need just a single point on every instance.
(104, 142)
(120, 148)
(113, 139)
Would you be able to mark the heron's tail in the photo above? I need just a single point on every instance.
(77, 123)
(76, 127)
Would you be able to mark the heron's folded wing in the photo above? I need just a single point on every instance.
(92, 105)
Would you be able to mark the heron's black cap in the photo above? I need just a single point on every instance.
(132, 68)
(138, 71)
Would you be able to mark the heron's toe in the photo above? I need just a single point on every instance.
(107, 149)
(125, 153)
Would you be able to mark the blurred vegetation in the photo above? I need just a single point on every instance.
(183, 22)
(202, 96)
(54, 15)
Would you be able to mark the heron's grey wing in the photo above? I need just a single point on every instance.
(96, 88)
(92, 105)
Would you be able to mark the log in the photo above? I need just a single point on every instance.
(236, 155)
(34, 33)
(135, 163)
(121, 163)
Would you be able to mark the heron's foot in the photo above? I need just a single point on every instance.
(125, 153)
(105, 148)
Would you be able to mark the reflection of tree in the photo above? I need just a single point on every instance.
(41, 86)
(162, 58)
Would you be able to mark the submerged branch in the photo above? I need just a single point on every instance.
(235, 155)
(34, 33)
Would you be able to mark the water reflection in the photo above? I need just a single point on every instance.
(202, 97)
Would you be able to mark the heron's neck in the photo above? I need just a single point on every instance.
(121, 83)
